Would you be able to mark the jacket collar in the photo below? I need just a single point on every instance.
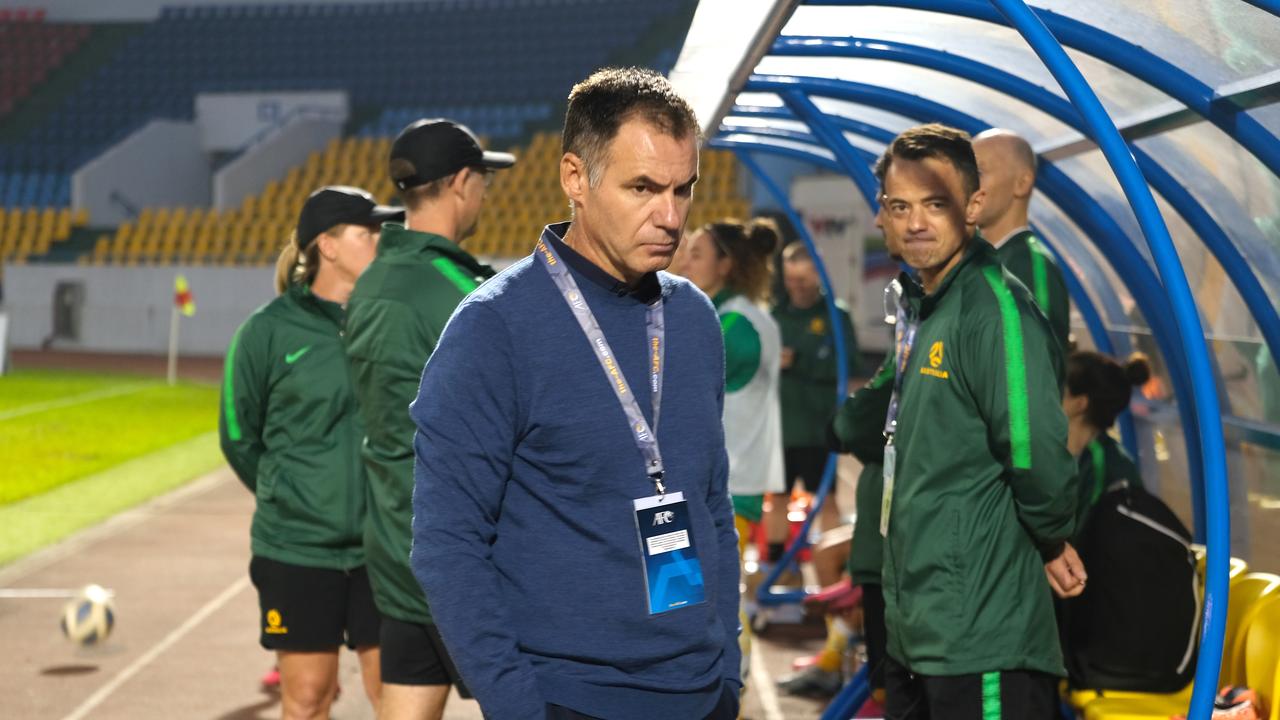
(301, 294)
(913, 291)
(397, 241)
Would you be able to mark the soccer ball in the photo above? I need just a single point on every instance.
(88, 618)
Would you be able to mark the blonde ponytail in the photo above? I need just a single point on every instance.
(296, 267)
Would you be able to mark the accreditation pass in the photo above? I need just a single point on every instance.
(672, 573)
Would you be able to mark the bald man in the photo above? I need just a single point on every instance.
(1007, 165)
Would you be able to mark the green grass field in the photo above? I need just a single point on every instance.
(76, 448)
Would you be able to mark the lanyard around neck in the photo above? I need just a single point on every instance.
(645, 437)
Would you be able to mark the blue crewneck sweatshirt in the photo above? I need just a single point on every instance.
(524, 534)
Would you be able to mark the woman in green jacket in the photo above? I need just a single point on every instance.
(1098, 390)
(290, 430)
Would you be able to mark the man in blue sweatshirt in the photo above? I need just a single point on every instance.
(572, 526)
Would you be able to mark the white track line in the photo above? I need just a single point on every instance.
(762, 684)
(74, 400)
(169, 640)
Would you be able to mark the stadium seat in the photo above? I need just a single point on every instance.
(1262, 652)
(521, 201)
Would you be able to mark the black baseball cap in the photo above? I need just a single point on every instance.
(340, 205)
(430, 149)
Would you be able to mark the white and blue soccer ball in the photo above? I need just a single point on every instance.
(88, 618)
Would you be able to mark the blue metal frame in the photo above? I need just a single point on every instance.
(1102, 338)
(1137, 61)
(1093, 320)
(1187, 320)
(850, 699)
(1271, 6)
(854, 166)
(859, 171)
(1099, 226)
(1183, 202)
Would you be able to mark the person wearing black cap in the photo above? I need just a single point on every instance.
(290, 431)
(397, 312)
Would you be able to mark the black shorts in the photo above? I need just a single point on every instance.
(307, 609)
(807, 464)
(1003, 695)
(414, 654)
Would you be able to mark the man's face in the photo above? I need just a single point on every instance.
(800, 278)
(999, 173)
(638, 211)
(926, 211)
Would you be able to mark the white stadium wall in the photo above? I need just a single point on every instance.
(272, 157)
(160, 165)
(127, 309)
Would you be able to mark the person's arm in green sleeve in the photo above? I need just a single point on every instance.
(387, 356)
(243, 405)
(858, 427)
(741, 350)
(1009, 363)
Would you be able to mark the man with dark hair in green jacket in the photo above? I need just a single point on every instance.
(1007, 165)
(979, 488)
(395, 317)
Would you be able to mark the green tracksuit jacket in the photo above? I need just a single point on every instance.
(858, 428)
(1102, 464)
(1032, 263)
(290, 430)
(984, 490)
(808, 386)
(394, 318)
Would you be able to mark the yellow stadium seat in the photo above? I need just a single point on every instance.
(1262, 651)
(520, 201)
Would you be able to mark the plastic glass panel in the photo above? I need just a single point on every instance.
(778, 142)
(1163, 458)
(755, 122)
(761, 99)
(892, 122)
(1228, 323)
(1268, 116)
(1240, 194)
(1258, 469)
(740, 122)
(995, 108)
(1215, 40)
(1092, 173)
(992, 44)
